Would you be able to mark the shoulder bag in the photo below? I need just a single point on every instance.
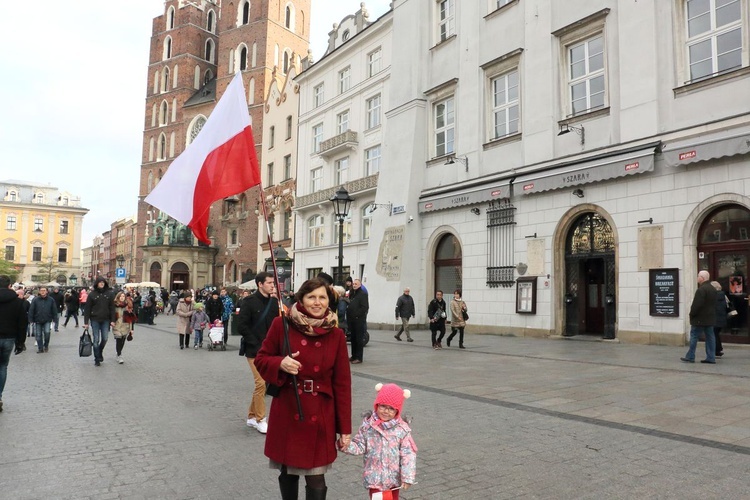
(85, 344)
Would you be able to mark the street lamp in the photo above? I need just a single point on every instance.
(341, 203)
(120, 261)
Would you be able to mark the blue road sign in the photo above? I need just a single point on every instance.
(120, 272)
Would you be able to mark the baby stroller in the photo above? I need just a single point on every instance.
(216, 336)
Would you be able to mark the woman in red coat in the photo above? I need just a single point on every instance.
(305, 444)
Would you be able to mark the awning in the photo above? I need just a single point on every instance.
(585, 172)
(706, 147)
(465, 197)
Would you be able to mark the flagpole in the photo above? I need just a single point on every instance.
(278, 291)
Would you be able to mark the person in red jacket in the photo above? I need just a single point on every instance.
(303, 427)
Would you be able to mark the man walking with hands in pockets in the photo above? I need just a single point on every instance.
(405, 311)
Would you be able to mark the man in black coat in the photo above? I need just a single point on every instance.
(356, 319)
(702, 319)
(257, 312)
(42, 313)
(405, 311)
(13, 322)
(100, 311)
(436, 313)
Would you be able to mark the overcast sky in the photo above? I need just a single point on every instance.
(74, 82)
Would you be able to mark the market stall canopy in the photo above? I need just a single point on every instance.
(149, 284)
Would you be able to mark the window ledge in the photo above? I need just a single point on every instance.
(710, 82)
(439, 160)
(584, 116)
(369, 131)
(444, 42)
(502, 8)
(502, 140)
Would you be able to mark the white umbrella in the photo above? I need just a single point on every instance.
(149, 284)
(131, 285)
(248, 285)
(52, 284)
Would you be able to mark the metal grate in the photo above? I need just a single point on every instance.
(500, 252)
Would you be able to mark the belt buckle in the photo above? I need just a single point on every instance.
(307, 385)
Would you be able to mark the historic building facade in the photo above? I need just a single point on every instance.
(342, 142)
(41, 228)
(196, 48)
(571, 176)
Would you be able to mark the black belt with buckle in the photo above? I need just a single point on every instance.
(307, 385)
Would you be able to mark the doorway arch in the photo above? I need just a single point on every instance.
(448, 265)
(180, 276)
(154, 273)
(589, 300)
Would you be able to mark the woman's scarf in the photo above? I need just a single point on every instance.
(310, 325)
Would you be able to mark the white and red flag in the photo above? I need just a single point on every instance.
(220, 162)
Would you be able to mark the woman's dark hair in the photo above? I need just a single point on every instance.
(458, 292)
(313, 284)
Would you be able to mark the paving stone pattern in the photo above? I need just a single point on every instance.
(506, 418)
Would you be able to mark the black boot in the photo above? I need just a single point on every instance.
(315, 493)
(450, 337)
(289, 486)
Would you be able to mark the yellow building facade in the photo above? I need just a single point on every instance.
(40, 231)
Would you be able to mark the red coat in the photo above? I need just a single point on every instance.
(326, 397)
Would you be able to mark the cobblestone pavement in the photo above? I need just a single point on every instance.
(506, 418)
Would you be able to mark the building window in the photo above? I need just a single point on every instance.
(170, 18)
(10, 253)
(501, 3)
(316, 179)
(269, 174)
(367, 221)
(243, 58)
(12, 196)
(62, 255)
(39, 197)
(167, 48)
(444, 126)
(10, 223)
(342, 122)
(38, 224)
(347, 229)
(36, 254)
(210, 21)
(373, 62)
(372, 160)
(344, 79)
(271, 137)
(209, 50)
(233, 237)
(505, 115)
(165, 80)
(289, 17)
(501, 225)
(286, 62)
(318, 95)
(287, 224)
(714, 36)
(163, 113)
(245, 13)
(288, 127)
(162, 152)
(446, 19)
(586, 75)
(63, 227)
(373, 112)
(317, 133)
(315, 231)
(287, 167)
(342, 170)
(313, 272)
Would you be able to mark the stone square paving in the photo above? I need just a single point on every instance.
(506, 418)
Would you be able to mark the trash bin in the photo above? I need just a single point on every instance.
(142, 316)
(234, 324)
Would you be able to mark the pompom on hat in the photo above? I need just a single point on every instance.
(391, 395)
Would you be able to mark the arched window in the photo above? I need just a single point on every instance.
(167, 48)
(315, 231)
(174, 77)
(150, 184)
(154, 114)
(12, 195)
(174, 110)
(156, 81)
(170, 18)
(39, 197)
(210, 21)
(162, 149)
(151, 144)
(289, 17)
(448, 265)
(287, 60)
(245, 12)
(347, 228)
(196, 127)
(209, 50)
(165, 80)
(172, 141)
(243, 58)
(163, 113)
(208, 76)
(367, 211)
(233, 237)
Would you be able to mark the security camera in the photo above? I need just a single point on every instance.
(411, 219)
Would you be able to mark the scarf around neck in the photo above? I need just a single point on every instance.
(309, 325)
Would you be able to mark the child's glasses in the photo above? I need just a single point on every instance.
(386, 408)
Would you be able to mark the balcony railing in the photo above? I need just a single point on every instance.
(346, 140)
(355, 186)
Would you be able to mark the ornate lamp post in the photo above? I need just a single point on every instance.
(341, 203)
(120, 261)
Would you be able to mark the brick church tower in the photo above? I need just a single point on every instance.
(196, 48)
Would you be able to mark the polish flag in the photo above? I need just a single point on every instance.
(220, 162)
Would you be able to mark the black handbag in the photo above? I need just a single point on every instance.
(85, 344)
(465, 314)
(272, 389)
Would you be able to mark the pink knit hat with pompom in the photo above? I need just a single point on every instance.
(391, 395)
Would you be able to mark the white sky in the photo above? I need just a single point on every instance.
(74, 84)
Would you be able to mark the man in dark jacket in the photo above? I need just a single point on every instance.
(60, 301)
(100, 312)
(42, 313)
(257, 312)
(702, 319)
(13, 321)
(356, 319)
(405, 311)
(436, 313)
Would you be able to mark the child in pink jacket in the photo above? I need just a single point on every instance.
(385, 440)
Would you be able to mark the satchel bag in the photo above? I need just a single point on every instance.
(464, 314)
(85, 344)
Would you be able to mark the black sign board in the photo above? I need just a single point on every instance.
(664, 292)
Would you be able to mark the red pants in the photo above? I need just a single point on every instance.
(394, 494)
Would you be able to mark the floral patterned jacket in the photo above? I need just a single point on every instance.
(390, 453)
